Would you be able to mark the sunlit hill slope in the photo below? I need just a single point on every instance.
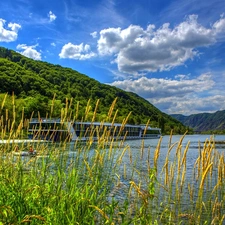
(34, 83)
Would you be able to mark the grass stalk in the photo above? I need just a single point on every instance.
(106, 182)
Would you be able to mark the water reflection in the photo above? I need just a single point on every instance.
(142, 152)
(138, 160)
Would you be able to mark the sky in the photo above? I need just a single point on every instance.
(170, 52)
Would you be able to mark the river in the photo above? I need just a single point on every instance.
(138, 160)
(149, 146)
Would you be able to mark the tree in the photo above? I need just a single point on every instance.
(161, 123)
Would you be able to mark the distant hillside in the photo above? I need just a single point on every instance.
(204, 122)
(34, 84)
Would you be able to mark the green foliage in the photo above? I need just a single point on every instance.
(34, 83)
(107, 182)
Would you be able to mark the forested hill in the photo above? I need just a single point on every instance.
(204, 122)
(34, 83)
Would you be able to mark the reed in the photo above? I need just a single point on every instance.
(106, 182)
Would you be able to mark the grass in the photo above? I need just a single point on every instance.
(92, 183)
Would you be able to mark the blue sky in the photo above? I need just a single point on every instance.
(171, 52)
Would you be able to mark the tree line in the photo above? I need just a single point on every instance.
(38, 86)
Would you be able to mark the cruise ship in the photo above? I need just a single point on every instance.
(57, 130)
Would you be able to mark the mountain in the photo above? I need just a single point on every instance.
(204, 122)
(35, 83)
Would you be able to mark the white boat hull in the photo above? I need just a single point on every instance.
(24, 153)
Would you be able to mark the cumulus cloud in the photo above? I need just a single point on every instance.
(51, 16)
(163, 88)
(29, 51)
(11, 34)
(78, 52)
(178, 95)
(137, 50)
(219, 26)
(94, 34)
(190, 104)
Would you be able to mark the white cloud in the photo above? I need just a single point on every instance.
(190, 104)
(78, 52)
(53, 44)
(185, 95)
(51, 16)
(163, 88)
(138, 51)
(219, 26)
(29, 51)
(11, 34)
(94, 34)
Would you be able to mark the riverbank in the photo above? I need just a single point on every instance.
(173, 180)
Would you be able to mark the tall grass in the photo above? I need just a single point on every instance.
(92, 183)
